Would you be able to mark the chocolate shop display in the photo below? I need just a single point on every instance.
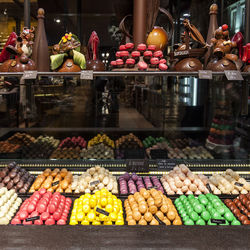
(150, 208)
(9, 204)
(53, 180)
(94, 179)
(67, 56)
(222, 58)
(21, 47)
(240, 207)
(185, 58)
(15, 177)
(170, 170)
(101, 208)
(43, 208)
(41, 148)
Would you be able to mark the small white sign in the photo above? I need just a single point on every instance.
(86, 75)
(30, 75)
(205, 74)
(233, 75)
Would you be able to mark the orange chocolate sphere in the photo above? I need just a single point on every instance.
(158, 37)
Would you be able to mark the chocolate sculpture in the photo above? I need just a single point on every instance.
(144, 29)
(40, 53)
(213, 25)
(185, 58)
(66, 55)
(93, 63)
(246, 57)
(222, 59)
(22, 50)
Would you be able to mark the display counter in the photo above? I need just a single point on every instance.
(124, 237)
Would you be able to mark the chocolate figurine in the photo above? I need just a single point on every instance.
(22, 50)
(222, 59)
(66, 55)
(246, 57)
(93, 63)
(185, 58)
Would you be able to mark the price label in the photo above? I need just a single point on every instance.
(209, 188)
(165, 164)
(205, 74)
(181, 53)
(33, 218)
(101, 211)
(159, 220)
(218, 221)
(233, 75)
(55, 183)
(135, 165)
(30, 75)
(86, 75)
(238, 184)
(93, 183)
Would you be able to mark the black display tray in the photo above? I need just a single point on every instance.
(120, 165)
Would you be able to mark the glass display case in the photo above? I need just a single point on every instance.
(126, 146)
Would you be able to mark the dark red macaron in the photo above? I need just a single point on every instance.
(152, 48)
(141, 47)
(113, 63)
(130, 61)
(118, 54)
(122, 47)
(154, 61)
(129, 46)
(135, 54)
(163, 61)
(119, 62)
(163, 66)
(148, 53)
(124, 53)
(158, 54)
(142, 66)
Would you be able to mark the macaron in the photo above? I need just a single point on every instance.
(141, 48)
(129, 46)
(158, 54)
(130, 63)
(147, 56)
(122, 47)
(136, 55)
(142, 66)
(119, 63)
(152, 47)
(154, 61)
(113, 64)
(163, 66)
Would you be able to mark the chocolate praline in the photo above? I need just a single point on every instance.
(16, 179)
(10, 185)
(12, 174)
(19, 184)
(22, 191)
(6, 179)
